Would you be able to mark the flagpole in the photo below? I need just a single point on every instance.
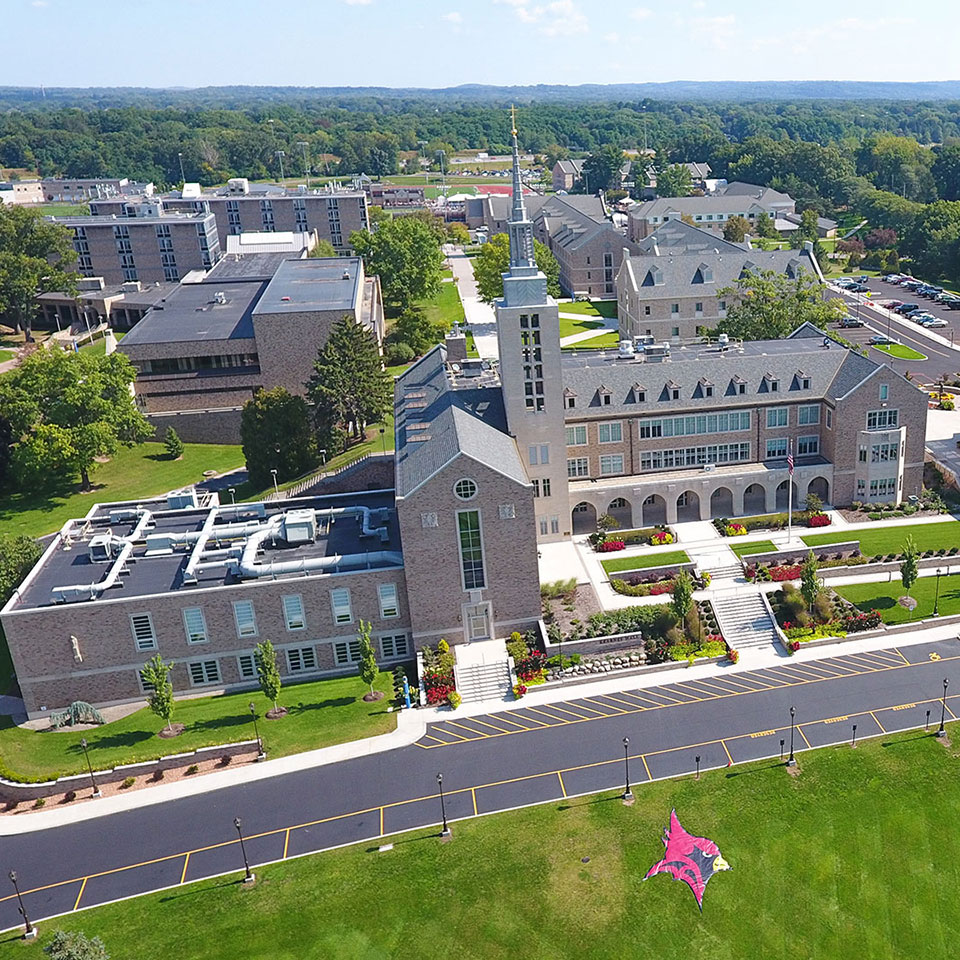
(790, 493)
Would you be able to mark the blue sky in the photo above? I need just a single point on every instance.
(447, 42)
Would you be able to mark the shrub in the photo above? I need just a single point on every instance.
(225, 760)
(517, 646)
(39, 802)
(519, 690)
(661, 537)
(454, 699)
(610, 546)
(69, 796)
(193, 768)
(818, 520)
(735, 530)
(784, 571)
(556, 589)
(733, 655)
(397, 353)
(128, 783)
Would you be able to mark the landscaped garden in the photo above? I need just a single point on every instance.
(320, 713)
(657, 559)
(899, 350)
(884, 597)
(937, 535)
(591, 308)
(865, 869)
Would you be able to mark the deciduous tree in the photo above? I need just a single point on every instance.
(601, 170)
(735, 229)
(674, 181)
(156, 674)
(810, 583)
(909, 566)
(268, 673)
(493, 261)
(682, 595)
(367, 665)
(276, 434)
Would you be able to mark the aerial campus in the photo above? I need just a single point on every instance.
(431, 514)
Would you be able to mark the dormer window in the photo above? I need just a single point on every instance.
(737, 386)
(770, 384)
(803, 380)
(748, 267)
(569, 399)
(654, 278)
(639, 393)
(673, 390)
(605, 396)
(704, 274)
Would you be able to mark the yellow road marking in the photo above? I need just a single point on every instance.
(563, 789)
(935, 656)
(83, 886)
(381, 821)
(286, 843)
(836, 719)
(500, 716)
(556, 720)
(762, 733)
(658, 692)
(802, 734)
(490, 725)
(532, 719)
(818, 666)
(473, 793)
(643, 757)
(448, 733)
(953, 716)
(723, 743)
(634, 706)
(183, 873)
(904, 706)
(877, 722)
(609, 706)
(572, 713)
(899, 653)
(712, 689)
(476, 733)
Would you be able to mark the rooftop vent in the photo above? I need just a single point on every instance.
(346, 274)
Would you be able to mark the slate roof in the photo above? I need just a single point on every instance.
(678, 236)
(727, 202)
(833, 372)
(470, 421)
(822, 222)
(570, 166)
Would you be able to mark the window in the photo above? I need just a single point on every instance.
(884, 391)
(808, 446)
(610, 432)
(293, 612)
(578, 467)
(774, 386)
(675, 332)
(143, 634)
(884, 488)
(804, 383)
(577, 436)
(742, 388)
(861, 486)
(708, 390)
(346, 651)
(884, 452)
(776, 448)
(247, 666)
(465, 489)
(541, 488)
(882, 419)
(544, 453)
(695, 456)
(245, 618)
(194, 625)
(605, 398)
(301, 658)
(722, 305)
(471, 549)
(508, 511)
(544, 526)
(688, 426)
(571, 402)
(532, 455)
(646, 311)
(610, 464)
(862, 455)
(340, 602)
(203, 671)
(777, 417)
(395, 646)
(698, 307)
(674, 391)
(388, 601)
(808, 414)
(829, 419)
(674, 308)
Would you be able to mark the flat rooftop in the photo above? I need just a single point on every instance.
(319, 284)
(151, 572)
(248, 266)
(193, 312)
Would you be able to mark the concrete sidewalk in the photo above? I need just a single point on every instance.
(479, 316)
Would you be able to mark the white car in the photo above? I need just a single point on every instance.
(936, 322)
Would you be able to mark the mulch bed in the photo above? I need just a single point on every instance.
(174, 730)
(584, 604)
(373, 696)
(275, 713)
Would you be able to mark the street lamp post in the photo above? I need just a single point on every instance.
(942, 731)
(697, 759)
(233, 495)
(276, 489)
(280, 155)
(446, 831)
(93, 782)
(936, 599)
(302, 144)
(261, 753)
(627, 792)
(443, 175)
(29, 930)
(183, 177)
(792, 760)
(248, 876)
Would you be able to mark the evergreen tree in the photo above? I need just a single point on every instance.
(763, 226)
(349, 387)
(909, 567)
(268, 673)
(173, 444)
(156, 674)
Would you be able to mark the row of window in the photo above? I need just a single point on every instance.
(694, 425)
(695, 456)
(886, 487)
(299, 660)
(245, 619)
(808, 414)
(882, 419)
(806, 447)
(881, 453)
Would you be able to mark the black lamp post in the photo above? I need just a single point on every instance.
(853, 742)
(942, 732)
(936, 599)
(791, 760)
(29, 930)
(261, 753)
(383, 440)
(627, 792)
(93, 782)
(248, 876)
(697, 758)
(445, 832)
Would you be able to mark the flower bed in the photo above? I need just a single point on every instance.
(779, 573)
(610, 546)
(439, 684)
(766, 521)
(734, 530)
(713, 646)
(660, 538)
(642, 588)
(818, 520)
(640, 536)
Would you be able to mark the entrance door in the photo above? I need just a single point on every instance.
(477, 620)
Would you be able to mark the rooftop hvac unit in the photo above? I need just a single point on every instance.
(185, 499)
(626, 349)
(220, 297)
(101, 547)
(300, 526)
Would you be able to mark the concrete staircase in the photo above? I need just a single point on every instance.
(483, 681)
(744, 621)
(720, 569)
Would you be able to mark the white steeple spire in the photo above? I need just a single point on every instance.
(521, 229)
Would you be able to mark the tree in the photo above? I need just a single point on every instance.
(405, 254)
(814, 504)
(75, 946)
(601, 170)
(880, 238)
(770, 305)
(458, 233)
(173, 444)
(17, 555)
(67, 409)
(933, 240)
(674, 181)
(156, 675)
(808, 226)
(682, 595)
(268, 673)
(324, 248)
(736, 229)
(276, 434)
(349, 387)
(763, 226)
(909, 567)
(36, 256)
(810, 583)
(946, 172)
(493, 261)
(367, 666)
(415, 329)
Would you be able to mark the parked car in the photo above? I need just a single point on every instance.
(952, 304)
(879, 340)
(905, 308)
(863, 278)
(858, 287)
(922, 317)
(937, 323)
(911, 284)
(893, 278)
(929, 291)
(891, 304)
(847, 322)
(845, 283)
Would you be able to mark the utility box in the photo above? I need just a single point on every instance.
(185, 499)
(300, 526)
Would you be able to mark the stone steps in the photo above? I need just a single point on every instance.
(487, 681)
(744, 621)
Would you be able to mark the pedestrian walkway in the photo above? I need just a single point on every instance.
(479, 316)
(744, 621)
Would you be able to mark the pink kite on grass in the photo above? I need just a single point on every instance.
(694, 860)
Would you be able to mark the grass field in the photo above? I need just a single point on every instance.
(444, 307)
(592, 308)
(936, 535)
(569, 327)
(900, 351)
(883, 598)
(6, 355)
(852, 858)
(660, 559)
(605, 341)
(142, 471)
(321, 713)
(752, 546)
(62, 209)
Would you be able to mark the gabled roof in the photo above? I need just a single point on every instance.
(677, 236)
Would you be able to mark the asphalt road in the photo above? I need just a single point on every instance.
(495, 762)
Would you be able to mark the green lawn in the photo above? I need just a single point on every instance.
(143, 471)
(656, 559)
(852, 858)
(321, 713)
(569, 327)
(937, 535)
(605, 341)
(592, 308)
(883, 598)
(62, 209)
(900, 351)
(6, 355)
(751, 547)
(444, 307)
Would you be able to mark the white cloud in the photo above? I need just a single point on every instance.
(641, 13)
(38, 3)
(715, 32)
(699, 5)
(559, 18)
(452, 17)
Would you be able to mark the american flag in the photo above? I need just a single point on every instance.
(790, 462)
